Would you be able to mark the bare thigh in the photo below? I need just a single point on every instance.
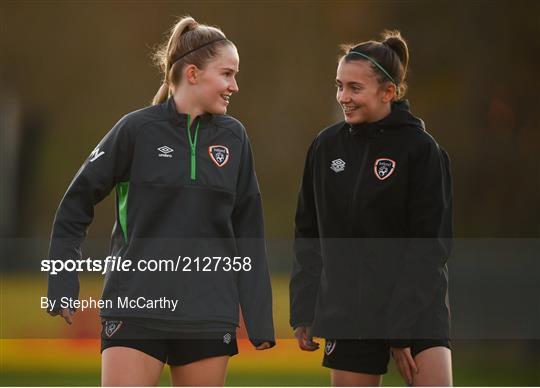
(434, 367)
(209, 372)
(342, 378)
(122, 366)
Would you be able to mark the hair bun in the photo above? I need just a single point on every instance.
(395, 41)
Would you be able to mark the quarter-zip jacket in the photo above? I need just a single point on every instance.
(373, 229)
(178, 194)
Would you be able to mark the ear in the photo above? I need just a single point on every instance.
(191, 73)
(389, 91)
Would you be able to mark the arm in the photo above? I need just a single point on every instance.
(254, 286)
(307, 265)
(108, 164)
(430, 233)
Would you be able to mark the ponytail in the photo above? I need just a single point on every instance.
(162, 94)
(182, 48)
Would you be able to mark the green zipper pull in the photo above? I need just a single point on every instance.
(193, 146)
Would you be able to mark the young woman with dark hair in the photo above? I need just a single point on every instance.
(373, 229)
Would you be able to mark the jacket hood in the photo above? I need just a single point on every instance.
(399, 117)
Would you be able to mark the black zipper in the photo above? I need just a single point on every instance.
(358, 181)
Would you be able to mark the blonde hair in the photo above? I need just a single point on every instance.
(188, 43)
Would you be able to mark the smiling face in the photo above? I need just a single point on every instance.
(359, 93)
(216, 82)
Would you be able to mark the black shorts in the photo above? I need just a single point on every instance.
(369, 356)
(170, 348)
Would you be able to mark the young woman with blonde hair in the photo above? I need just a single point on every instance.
(186, 190)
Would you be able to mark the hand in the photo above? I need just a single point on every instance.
(305, 339)
(64, 313)
(263, 346)
(404, 363)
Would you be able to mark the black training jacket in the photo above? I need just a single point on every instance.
(173, 200)
(372, 233)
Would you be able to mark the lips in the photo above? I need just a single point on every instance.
(226, 97)
(349, 109)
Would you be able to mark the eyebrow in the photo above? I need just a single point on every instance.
(231, 69)
(349, 83)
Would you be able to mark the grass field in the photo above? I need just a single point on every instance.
(76, 362)
(64, 360)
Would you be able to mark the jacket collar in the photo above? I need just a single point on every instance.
(181, 118)
(400, 116)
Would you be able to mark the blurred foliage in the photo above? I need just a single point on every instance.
(75, 68)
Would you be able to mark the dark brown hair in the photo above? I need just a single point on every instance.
(170, 57)
(391, 53)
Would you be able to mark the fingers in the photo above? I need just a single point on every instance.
(305, 340)
(264, 345)
(404, 370)
(405, 363)
(309, 339)
(67, 314)
(300, 334)
(310, 345)
(410, 361)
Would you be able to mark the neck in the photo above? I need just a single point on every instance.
(184, 104)
(385, 111)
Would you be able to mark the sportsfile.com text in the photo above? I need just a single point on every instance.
(116, 263)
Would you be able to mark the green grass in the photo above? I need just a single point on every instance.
(471, 375)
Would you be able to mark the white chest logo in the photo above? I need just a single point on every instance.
(96, 154)
(219, 155)
(337, 165)
(383, 168)
(165, 152)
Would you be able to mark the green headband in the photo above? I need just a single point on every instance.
(376, 64)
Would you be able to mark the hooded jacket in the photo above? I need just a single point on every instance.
(175, 197)
(372, 233)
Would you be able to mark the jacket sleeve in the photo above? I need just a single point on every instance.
(254, 288)
(107, 164)
(430, 244)
(307, 266)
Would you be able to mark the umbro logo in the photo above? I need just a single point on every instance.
(165, 152)
(96, 154)
(227, 338)
(337, 165)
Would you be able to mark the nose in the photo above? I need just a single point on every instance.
(233, 87)
(343, 97)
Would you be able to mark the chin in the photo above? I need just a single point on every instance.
(218, 111)
(354, 120)
(221, 110)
